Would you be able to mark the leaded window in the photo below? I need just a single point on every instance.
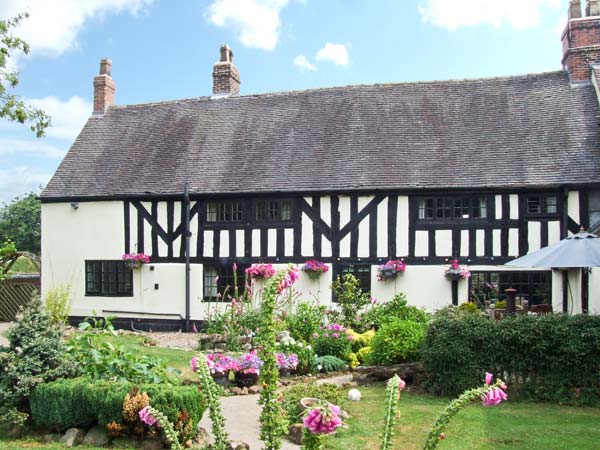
(224, 211)
(533, 286)
(273, 210)
(220, 282)
(542, 204)
(108, 279)
(362, 272)
(453, 208)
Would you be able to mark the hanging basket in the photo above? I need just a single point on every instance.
(133, 265)
(454, 274)
(314, 275)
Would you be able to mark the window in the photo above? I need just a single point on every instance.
(542, 204)
(362, 272)
(533, 286)
(108, 279)
(219, 282)
(451, 208)
(224, 211)
(268, 210)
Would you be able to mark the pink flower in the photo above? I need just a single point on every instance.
(234, 267)
(325, 335)
(315, 335)
(323, 419)
(289, 279)
(401, 385)
(488, 378)
(328, 327)
(494, 397)
(194, 364)
(335, 335)
(147, 418)
(350, 337)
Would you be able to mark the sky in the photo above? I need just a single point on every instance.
(165, 50)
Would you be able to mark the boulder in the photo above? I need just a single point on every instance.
(125, 442)
(96, 436)
(152, 444)
(237, 445)
(409, 372)
(221, 347)
(202, 439)
(72, 437)
(254, 389)
(50, 438)
(296, 433)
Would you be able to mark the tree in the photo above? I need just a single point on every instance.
(11, 106)
(20, 222)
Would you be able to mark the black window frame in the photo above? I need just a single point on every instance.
(364, 280)
(225, 274)
(517, 280)
(103, 269)
(270, 207)
(542, 200)
(452, 208)
(232, 207)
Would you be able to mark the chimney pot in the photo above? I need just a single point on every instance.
(226, 78)
(592, 8)
(104, 88)
(575, 9)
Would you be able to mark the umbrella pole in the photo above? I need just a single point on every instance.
(565, 287)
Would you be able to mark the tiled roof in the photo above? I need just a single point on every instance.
(520, 131)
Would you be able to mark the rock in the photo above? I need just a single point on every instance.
(73, 437)
(188, 444)
(125, 442)
(408, 372)
(50, 438)
(221, 347)
(246, 347)
(254, 389)
(296, 433)
(202, 439)
(15, 431)
(96, 436)
(237, 445)
(152, 444)
(246, 340)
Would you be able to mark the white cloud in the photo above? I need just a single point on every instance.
(53, 26)
(303, 64)
(452, 14)
(561, 25)
(255, 23)
(335, 53)
(68, 117)
(18, 180)
(15, 146)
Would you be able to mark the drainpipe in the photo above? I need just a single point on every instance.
(186, 230)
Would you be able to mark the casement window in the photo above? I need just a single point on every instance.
(542, 204)
(453, 208)
(108, 279)
(220, 282)
(273, 210)
(362, 272)
(533, 286)
(224, 211)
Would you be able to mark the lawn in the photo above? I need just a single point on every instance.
(511, 425)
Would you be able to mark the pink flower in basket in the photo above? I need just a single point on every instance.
(260, 271)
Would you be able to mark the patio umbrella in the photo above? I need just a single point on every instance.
(578, 251)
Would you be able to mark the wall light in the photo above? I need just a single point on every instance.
(75, 205)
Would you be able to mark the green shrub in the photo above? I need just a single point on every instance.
(363, 354)
(305, 353)
(332, 340)
(553, 358)
(82, 402)
(468, 307)
(396, 341)
(58, 303)
(36, 354)
(396, 308)
(331, 393)
(501, 304)
(329, 363)
(350, 299)
(305, 321)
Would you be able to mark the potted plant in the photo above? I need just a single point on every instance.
(315, 268)
(286, 363)
(249, 369)
(221, 366)
(135, 260)
(456, 272)
(390, 270)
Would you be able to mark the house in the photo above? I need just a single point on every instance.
(480, 170)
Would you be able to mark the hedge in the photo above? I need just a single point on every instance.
(83, 402)
(548, 358)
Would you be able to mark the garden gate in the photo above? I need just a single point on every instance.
(16, 291)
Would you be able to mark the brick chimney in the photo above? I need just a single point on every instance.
(581, 40)
(104, 88)
(226, 78)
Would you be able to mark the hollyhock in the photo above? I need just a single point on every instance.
(147, 418)
(289, 279)
(323, 419)
(194, 364)
(495, 395)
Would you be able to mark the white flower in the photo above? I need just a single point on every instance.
(309, 347)
(300, 344)
(319, 367)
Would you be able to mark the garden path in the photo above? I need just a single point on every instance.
(3, 327)
(242, 413)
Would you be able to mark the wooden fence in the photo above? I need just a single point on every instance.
(16, 291)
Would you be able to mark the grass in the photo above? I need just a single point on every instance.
(511, 425)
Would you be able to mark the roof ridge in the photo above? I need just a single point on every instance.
(337, 88)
